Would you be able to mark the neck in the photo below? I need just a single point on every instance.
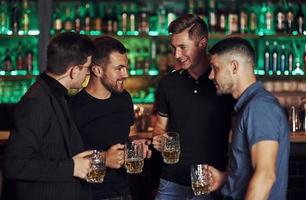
(243, 85)
(62, 79)
(96, 89)
(200, 68)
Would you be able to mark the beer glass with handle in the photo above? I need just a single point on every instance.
(201, 179)
(133, 157)
(171, 148)
(97, 167)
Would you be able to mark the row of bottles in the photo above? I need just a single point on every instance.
(18, 17)
(125, 18)
(153, 18)
(257, 17)
(284, 58)
(17, 58)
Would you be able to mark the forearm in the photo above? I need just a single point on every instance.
(260, 186)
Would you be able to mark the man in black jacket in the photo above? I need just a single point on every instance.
(45, 157)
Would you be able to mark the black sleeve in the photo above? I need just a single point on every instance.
(161, 99)
(24, 156)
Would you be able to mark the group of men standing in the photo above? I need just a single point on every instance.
(53, 133)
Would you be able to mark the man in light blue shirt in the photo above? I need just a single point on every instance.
(259, 153)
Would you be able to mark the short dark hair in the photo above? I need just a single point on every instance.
(234, 44)
(67, 49)
(197, 27)
(104, 46)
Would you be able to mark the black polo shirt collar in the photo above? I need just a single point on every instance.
(185, 73)
(57, 89)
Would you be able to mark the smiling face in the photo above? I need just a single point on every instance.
(221, 74)
(185, 50)
(115, 72)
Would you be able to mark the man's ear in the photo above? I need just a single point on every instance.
(203, 43)
(97, 71)
(72, 71)
(235, 66)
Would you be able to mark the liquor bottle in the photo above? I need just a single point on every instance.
(267, 58)
(7, 60)
(201, 11)
(68, 24)
(107, 24)
(162, 20)
(15, 17)
(97, 21)
(267, 18)
(253, 20)
(124, 18)
(212, 16)
(280, 19)
(57, 21)
(25, 16)
(115, 20)
(300, 19)
(132, 24)
(143, 25)
(282, 59)
(77, 18)
(87, 18)
(233, 21)
(222, 20)
(191, 7)
(19, 57)
(290, 60)
(274, 57)
(243, 19)
(4, 18)
(29, 60)
(289, 19)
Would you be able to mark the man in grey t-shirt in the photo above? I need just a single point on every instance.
(259, 154)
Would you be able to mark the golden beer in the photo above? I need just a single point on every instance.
(95, 176)
(134, 165)
(171, 156)
(200, 188)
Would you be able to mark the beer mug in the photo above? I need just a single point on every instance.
(171, 148)
(201, 179)
(97, 167)
(133, 157)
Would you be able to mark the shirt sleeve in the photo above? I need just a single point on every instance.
(262, 122)
(161, 99)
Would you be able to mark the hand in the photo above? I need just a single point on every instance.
(158, 142)
(218, 177)
(115, 156)
(147, 153)
(81, 164)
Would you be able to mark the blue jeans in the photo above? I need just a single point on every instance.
(171, 191)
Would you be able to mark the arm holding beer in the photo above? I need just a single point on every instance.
(159, 132)
(218, 177)
(115, 156)
(81, 164)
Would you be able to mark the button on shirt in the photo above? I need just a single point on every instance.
(259, 117)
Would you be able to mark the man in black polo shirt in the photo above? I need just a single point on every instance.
(188, 104)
